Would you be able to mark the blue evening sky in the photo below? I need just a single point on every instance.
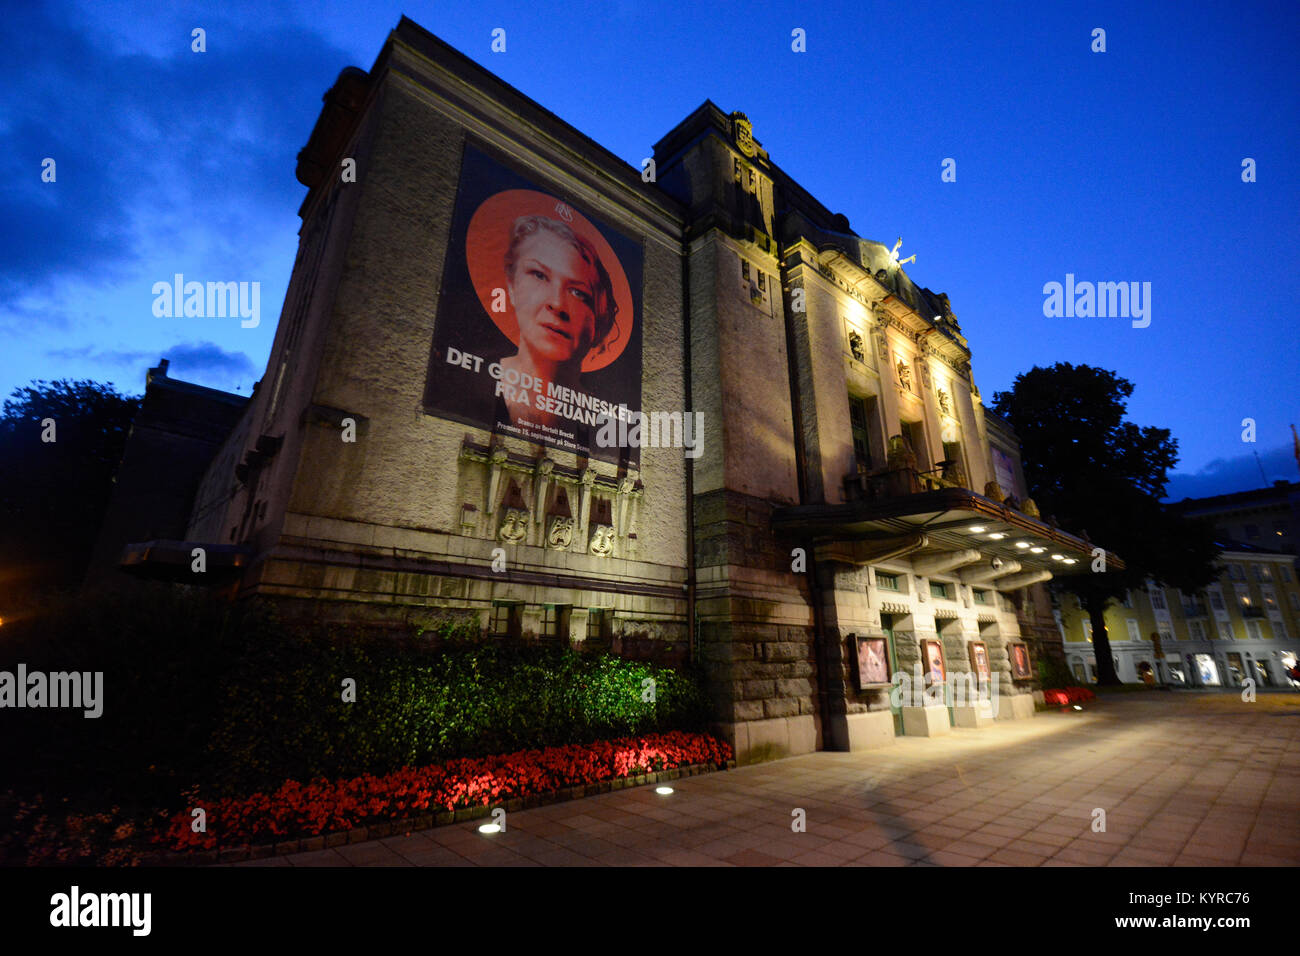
(1116, 166)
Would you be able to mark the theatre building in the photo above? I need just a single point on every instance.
(484, 301)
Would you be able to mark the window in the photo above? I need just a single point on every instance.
(914, 432)
(1087, 630)
(979, 597)
(600, 624)
(1225, 632)
(1236, 572)
(1254, 631)
(858, 426)
(735, 168)
(886, 582)
(1196, 629)
(555, 621)
(1244, 599)
(1216, 600)
(1128, 599)
(1158, 600)
(1270, 599)
(940, 590)
(744, 269)
(762, 281)
(1252, 531)
(1279, 529)
(1133, 633)
(1166, 636)
(1295, 601)
(1263, 572)
(1286, 573)
(507, 619)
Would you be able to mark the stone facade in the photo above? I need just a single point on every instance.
(845, 486)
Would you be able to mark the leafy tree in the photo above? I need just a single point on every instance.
(1103, 477)
(60, 444)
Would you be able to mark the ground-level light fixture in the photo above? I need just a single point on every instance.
(1078, 707)
(664, 790)
(490, 828)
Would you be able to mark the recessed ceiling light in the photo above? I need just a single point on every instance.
(1022, 544)
(1071, 560)
(976, 528)
(1037, 550)
(1058, 557)
(997, 536)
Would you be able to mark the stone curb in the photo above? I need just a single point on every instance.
(321, 841)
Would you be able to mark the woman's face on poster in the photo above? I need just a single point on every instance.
(553, 294)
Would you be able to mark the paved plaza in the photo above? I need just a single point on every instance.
(1196, 779)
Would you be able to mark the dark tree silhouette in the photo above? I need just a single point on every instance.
(60, 444)
(1099, 474)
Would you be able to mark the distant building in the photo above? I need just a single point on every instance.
(1265, 518)
(1246, 624)
(484, 301)
(173, 439)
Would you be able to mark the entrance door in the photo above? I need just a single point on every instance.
(1237, 669)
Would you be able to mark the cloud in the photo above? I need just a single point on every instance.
(208, 360)
(103, 356)
(1226, 475)
(204, 363)
(188, 148)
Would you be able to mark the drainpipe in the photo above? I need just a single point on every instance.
(691, 650)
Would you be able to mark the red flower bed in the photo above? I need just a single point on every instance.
(1070, 695)
(323, 805)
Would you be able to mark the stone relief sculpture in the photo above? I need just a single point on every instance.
(900, 454)
(514, 525)
(602, 540)
(945, 403)
(904, 375)
(559, 533)
(855, 346)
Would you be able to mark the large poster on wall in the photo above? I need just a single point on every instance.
(538, 326)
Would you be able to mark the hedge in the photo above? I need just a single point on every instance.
(420, 702)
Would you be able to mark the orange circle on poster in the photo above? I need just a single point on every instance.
(488, 239)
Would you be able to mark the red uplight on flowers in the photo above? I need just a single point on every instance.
(322, 805)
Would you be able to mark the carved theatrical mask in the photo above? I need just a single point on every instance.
(514, 525)
(602, 540)
(559, 534)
